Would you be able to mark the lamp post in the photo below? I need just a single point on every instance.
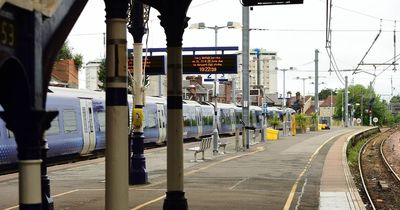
(304, 87)
(284, 96)
(202, 25)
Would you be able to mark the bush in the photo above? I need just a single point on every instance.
(274, 121)
(301, 121)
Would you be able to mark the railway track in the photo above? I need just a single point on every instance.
(381, 184)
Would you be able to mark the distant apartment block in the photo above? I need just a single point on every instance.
(92, 80)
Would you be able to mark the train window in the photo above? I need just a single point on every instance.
(91, 126)
(193, 118)
(102, 121)
(186, 121)
(69, 117)
(54, 128)
(150, 119)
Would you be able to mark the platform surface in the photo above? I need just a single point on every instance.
(283, 174)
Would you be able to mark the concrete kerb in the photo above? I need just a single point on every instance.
(355, 198)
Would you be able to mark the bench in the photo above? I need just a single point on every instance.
(223, 145)
(205, 143)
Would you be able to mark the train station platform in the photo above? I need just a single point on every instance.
(294, 172)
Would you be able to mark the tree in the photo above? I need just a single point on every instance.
(395, 99)
(101, 75)
(358, 104)
(325, 93)
(65, 53)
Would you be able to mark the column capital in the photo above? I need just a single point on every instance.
(28, 127)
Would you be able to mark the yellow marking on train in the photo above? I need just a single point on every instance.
(294, 187)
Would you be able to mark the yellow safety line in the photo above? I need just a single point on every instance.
(148, 203)
(68, 192)
(54, 196)
(294, 187)
(258, 149)
(13, 207)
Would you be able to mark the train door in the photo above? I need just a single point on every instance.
(161, 123)
(232, 117)
(199, 119)
(88, 130)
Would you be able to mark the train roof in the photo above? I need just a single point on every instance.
(76, 93)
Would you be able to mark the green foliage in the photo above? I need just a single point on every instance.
(78, 60)
(65, 53)
(313, 120)
(395, 99)
(274, 121)
(325, 93)
(352, 152)
(359, 99)
(101, 75)
(301, 121)
(396, 118)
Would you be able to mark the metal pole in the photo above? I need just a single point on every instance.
(137, 169)
(331, 118)
(362, 108)
(316, 98)
(160, 88)
(370, 103)
(234, 90)
(261, 91)
(283, 103)
(116, 113)
(258, 68)
(346, 102)
(245, 72)
(215, 132)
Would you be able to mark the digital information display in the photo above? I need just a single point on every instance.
(269, 2)
(210, 64)
(154, 65)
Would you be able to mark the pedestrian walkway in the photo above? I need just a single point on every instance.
(338, 190)
(280, 174)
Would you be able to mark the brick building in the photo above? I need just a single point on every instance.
(64, 74)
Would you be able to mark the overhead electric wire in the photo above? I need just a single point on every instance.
(364, 14)
(376, 38)
(394, 61)
(336, 68)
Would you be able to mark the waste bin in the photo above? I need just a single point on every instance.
(272, 134)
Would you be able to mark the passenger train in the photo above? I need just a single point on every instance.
(79, 128)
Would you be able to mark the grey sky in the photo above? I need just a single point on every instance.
(295, 31)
